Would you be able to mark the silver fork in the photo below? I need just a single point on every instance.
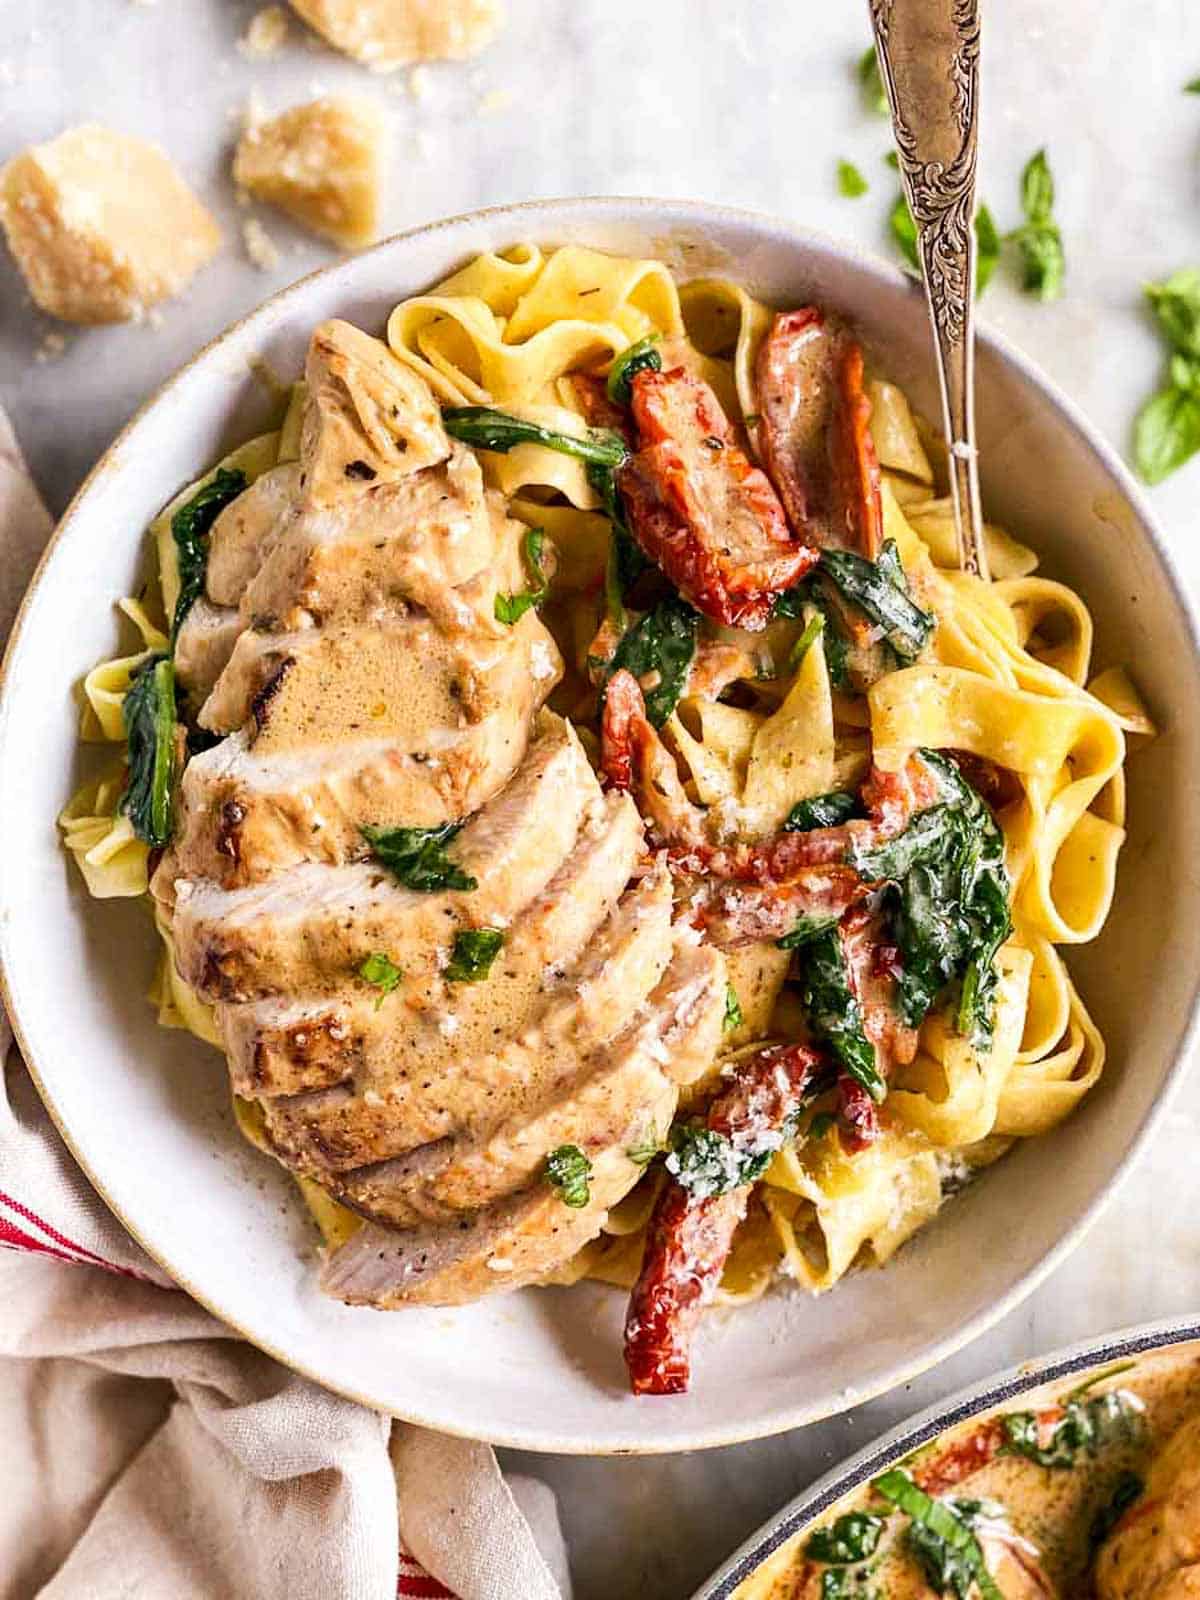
(929, 61)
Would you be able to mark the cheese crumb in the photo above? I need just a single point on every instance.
(499, 1264)
(266, 34)
(386, 34)
(321, 163)
(260, 247)
(102, 225)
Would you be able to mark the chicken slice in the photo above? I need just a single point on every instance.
(289, 1047)
(205, 643)
(521, 1238)
(1149, 1553)
(340, 1130)
(246, 530)
(313, 926)
(368, 419)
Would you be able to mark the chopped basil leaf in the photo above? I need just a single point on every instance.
(1127, 1489)
(662, 644)
(1167, 430)
(950, 902)
(892, 160)
(987, 249)
(853, 1537)
(1038, 237)
(381, 971)
(488, 429)
(879, 589)
(941, 1538)
(1193, 87)
(190, 528)
(148, 712)
(418, 857)
(822, 811)
(510, 608)
(821, 1124)
(903, 230)
(809, 927)
(472, 955)
(871, 80)
(568, 1171)
(709, 1163)
(635, 358)
(833, 1011)
(851, 183)
(1176, 306)
(733, 1009)
(644, 1152)
(1084, 1426)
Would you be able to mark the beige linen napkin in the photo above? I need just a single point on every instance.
(147, 1451)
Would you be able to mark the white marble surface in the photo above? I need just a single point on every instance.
(744, 101)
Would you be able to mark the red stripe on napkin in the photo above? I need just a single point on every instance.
(53, 1243)
(414, 1583)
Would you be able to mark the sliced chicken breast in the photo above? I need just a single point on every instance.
(245, 532)
(205, 643)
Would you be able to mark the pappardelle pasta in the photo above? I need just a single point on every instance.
(580, 795)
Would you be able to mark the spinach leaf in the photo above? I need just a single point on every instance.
(510, 608)
(635, 358)
(853, 1537)
(418, 857)
(382, 972)
(808, 927)
(834, 1013)
(941, 1537)
(663, 642)
(1084, 1426)
(1038, 237)
(733, 1010)
(148, 712)
(879, 589)
(488, 429)
(190, 528)
(871, 81)
(568, 1171)
(851, 183)
(950, 902)
(822, 811)
(472, 955)
(1127, 1489)
(708, 1163)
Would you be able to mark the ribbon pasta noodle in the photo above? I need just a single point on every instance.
(1004, 678)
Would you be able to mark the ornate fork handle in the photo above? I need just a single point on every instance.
(929, 60)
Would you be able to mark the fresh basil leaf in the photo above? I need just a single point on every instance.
(1083, 1428)
(1176, 306)
(733, 1010)
(822, 811)
(834, 1013)
(569, 1172)
(871, 81)
(635, 358)
(1193, 87)
(190, 528)
(489, 429)
(904, 231)
(472, 954)
(418, 857)
(892, 160)
(1044, 261)
(1037, 188)
(1166, 433)
(510, 608)
(879, 589)
(851, 183)
(941, 1538)
(148, 712)
(853, 1537)
(987, 249)
(382, 972)
(662, 643)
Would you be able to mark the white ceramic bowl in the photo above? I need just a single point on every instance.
(146, 1111)
(1031, 1386)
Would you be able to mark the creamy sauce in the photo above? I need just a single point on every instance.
(1054, 1509)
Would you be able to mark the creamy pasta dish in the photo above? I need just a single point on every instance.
(603, 831)
(1085, 1492)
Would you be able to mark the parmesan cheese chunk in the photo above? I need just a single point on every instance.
(102, 225)
(386, 34)
(322, 163)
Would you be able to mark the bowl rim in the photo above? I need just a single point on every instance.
(542, 216)
(972, 1401)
